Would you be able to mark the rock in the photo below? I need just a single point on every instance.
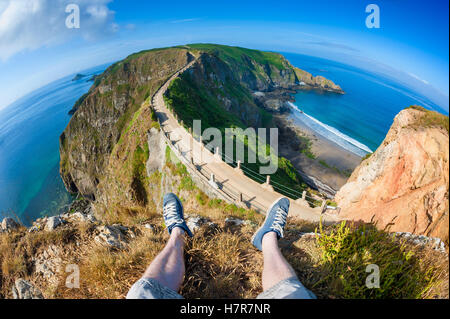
(9, 224)
(53, 222)
(309, 235)
(78, 77)
(47, 264)
(111, 236)
(233, 221)
(195, 222)
(23, 289)
(78, 217)
(149, 227)
(91, 218)
(421, 240)
(83, 218)
(405, 183)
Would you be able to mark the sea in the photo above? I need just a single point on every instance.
(359, 119)
(30, 184)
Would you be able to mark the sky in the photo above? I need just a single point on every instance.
(411, 44)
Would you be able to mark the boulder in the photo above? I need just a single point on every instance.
(112, 236)
(53, 222)
(195, 222)
(231, 221)
(9, 224)
(23, 289)
(84, 218)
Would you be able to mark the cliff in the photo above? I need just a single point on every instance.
(405, 183)
(106, 113)
(105, 141)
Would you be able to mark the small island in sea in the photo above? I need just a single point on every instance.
(78, 77)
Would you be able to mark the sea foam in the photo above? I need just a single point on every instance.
(331, 133)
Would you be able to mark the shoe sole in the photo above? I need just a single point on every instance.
(267, 215)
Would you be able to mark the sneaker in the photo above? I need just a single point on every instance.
(275, 221)
(173, 213)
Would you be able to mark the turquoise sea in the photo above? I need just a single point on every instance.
(30, 185)
(359, 119)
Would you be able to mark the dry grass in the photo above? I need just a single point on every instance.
(220, 261)
(430, 119)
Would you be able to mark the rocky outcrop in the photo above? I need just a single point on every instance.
(53, 222)
(78, 77)
(23, 289)
(9, 224)
(404, 185)
(113, 236)
(318, 82)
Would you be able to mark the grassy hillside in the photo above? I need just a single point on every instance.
(235, 55)
(218, 95)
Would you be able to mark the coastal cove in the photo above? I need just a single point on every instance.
(359, 119)
(342, 128)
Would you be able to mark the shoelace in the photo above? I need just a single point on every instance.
(171, 214)
(279, 221)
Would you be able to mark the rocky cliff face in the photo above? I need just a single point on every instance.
(405, 183)
(106, 112)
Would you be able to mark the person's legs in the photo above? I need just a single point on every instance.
(168, 267)
(164, 276)
(278, 277)
(276, 268)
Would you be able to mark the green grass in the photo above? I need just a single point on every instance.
(201, 198)
(191, 101)
(139, 174)
(346, 251)
(430, 118)
(368, 155)
(235, 54)
(337, 170)
(331, 203)
(305, 147)
(130, 124)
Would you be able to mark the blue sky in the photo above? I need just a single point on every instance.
(411, 45)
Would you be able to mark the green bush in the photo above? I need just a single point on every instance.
(346, 251)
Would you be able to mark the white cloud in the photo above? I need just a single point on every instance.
(31, 24)
(185, 20)
(418, 78)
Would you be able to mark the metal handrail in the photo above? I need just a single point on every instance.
(230, 192)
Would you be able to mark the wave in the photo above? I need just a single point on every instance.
(332, 133)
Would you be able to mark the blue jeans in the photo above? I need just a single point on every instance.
(148, 288)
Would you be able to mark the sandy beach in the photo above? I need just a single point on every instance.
(332, 165)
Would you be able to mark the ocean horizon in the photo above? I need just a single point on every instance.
(30, 184)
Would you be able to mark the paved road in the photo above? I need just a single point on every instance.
(229, 177)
